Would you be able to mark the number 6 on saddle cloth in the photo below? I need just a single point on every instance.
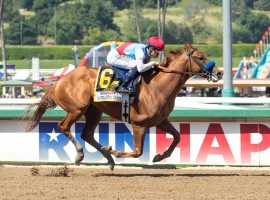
(108, 81)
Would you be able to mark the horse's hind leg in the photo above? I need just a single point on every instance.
(92, 117)
(65, 125)
(166, 126)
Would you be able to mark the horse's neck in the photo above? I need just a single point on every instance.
(169, 84)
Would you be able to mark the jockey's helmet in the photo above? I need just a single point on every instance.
(156, 42)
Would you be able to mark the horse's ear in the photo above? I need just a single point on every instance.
(174, 52)
(188, 45)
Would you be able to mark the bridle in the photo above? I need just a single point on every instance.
(202, 73)
(196, 60)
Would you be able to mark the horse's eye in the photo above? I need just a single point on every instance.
(201, 58)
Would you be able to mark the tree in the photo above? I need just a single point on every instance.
(249, 3)
(240, 10)
(101, 14)
(21, 30)
(250, 28)
(162, 9)
(215, 2)
(30, 34)
(120, 5)
(2, 39)
(10, 6)
(177, 33)
(68, 28)
(257, 24)
(201, 31)
(241, 34)
(27, 4)
(73, 21)
(153, 3)
(96, 36)
(193, 8)
(262, 4)
(44, 13)
(148, 28)
(137, 20)
(13, 31)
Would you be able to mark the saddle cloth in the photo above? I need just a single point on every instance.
(108, 80)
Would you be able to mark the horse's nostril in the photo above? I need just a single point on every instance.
(220, 74)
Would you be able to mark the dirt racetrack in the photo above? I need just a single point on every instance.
(89, 183)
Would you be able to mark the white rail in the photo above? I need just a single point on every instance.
(221, 100)
(182, 102)
(9, 101)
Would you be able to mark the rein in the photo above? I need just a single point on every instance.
(173, 71)
(189, 54)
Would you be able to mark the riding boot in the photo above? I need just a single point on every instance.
(126, 87)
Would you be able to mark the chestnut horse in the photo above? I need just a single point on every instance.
(154, 101)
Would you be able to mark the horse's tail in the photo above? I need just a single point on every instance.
(34, 117)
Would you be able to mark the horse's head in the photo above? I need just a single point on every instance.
(200, 64)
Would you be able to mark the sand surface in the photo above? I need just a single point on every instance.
(43, 182)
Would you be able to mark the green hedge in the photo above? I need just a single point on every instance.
(65, 52)
(215, 50)
(44, 52)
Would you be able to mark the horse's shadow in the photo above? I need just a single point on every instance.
(157, 175)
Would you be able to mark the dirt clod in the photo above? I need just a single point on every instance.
(62, 171)
(34, 171)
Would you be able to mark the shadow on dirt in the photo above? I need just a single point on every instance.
(174, 175)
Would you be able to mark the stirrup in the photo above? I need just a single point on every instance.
(123, 90)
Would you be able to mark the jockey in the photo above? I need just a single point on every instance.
(135, 57)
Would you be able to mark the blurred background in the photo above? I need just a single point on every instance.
(59, 33)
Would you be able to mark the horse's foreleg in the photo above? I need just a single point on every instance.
(166, 126)
(65, 125)
(92, 117)
(138, 137)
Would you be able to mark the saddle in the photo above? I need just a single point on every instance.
(108, 80)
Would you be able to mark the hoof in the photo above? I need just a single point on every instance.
(79, 158)
(118, 154)
(111, 165)
(157, 158)
(107, 148)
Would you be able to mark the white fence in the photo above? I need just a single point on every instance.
(185, 102)
(214, 143)
(220, 102)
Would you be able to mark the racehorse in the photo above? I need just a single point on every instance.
(154, 100)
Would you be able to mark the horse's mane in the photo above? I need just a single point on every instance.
(173, 54)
